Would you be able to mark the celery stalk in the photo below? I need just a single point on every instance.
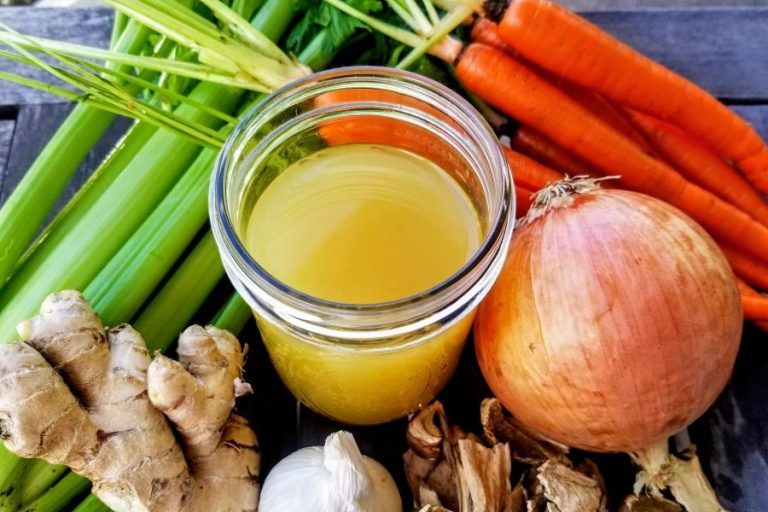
(171, 310)
(118, 27)
(115, 215)
(34, 197)
(64, 491)
(233, 315)
(37, 479)
(119, 211)
(13, 469)
(91, 504)
(121, 286)
(186, 288)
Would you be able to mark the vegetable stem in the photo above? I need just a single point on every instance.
(233, 315)
(173, 307)
(38, 478)
(13, 469)
(64, 491)
(652, 460)
(92, 504)
(34, 197)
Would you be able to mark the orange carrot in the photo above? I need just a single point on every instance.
(569, 46)
(524, 95)
(487, 32)
(755, 308)
(523, 200)
(528, 141)
(601, 108)
(528, 172)
(700, 165)
(750, 269)
(385, 130)
(748, 291)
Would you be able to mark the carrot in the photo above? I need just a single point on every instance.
(524, 95)
(388, 131)
(565, 44)
(748, 291)
(755, 308)
(529, 173)
(523, 200)
(750, 269)
(601, 108)
(700, 165)
(528, 141)
(486, 31)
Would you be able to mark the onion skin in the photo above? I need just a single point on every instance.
(614, 324)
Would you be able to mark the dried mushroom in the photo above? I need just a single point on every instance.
(448, 469)
(569, 490)
(649, 504)
(498, 427)
(425, 434)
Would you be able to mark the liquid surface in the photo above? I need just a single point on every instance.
(362, 223)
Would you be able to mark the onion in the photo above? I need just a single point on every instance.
(614, 324)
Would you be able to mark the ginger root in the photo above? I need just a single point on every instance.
(72, 393)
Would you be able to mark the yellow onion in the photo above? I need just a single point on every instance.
(615, 322)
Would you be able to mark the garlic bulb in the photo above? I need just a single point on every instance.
(333, 478)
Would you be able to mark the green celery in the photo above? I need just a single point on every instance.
(38, 478)
(33, 198)
(99, 233)
(233, 315)
(175, 301)
(180, 298)
(118, 27)
(13, 469)
(64, 491)
(91, 504)
(121, 286)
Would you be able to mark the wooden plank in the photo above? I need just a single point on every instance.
(89, 26)
(35, 125)
(6, 136)
(633, 5)
(757, 115)
(725, 50)
(732, 437)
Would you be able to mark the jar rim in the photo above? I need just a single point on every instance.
(238, 260)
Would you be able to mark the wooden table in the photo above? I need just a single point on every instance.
(725, 49)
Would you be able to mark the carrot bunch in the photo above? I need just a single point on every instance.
(587, 103)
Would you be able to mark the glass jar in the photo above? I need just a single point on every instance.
(363, 363)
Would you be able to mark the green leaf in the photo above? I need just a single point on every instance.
(336, 26)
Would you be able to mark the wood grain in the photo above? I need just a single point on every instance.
(87, 26)
(725, 51)
(6, 137)
(626, 5)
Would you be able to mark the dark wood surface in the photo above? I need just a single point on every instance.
(723, 48)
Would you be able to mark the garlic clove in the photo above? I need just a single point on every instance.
(385, 497)
(345, 463)
(333, 478)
